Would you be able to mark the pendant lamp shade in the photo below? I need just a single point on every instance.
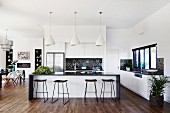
(49, 40)
(75, 40)
(100, 41)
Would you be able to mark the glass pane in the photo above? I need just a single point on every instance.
(147, 58)
(50, 61)
(142, 62)
(137, 58)
(58, 64)
(153, 57)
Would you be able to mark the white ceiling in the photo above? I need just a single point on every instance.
(22, 16)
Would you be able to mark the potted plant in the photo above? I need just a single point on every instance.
(128, 65)
(12, 66)
(43, 70)
(158, 85)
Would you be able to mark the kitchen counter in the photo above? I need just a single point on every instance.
(76, 84)
(80, 74)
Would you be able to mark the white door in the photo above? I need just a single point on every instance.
(112, 61)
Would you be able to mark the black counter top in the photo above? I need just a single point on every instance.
(80, 74)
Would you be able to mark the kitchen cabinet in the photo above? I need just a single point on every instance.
(79, 51)
(84, 50)
(98, 51)
(70, 51)
(138, 85)
(89, 50)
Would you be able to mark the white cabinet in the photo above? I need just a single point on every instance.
(84, 50)
(136, 84)
(79, 51)
(98, 51)
(89, 50)
(70, 51)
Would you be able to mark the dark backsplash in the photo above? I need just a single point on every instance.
(89, 63)
(123, 62)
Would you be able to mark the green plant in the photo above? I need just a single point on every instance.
(158, 84)
(43, 70)
(128, 64)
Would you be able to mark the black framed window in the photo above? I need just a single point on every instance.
(145, 57)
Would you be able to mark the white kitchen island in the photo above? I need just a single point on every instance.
(76, 84)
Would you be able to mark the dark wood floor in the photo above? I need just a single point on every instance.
(15, 100)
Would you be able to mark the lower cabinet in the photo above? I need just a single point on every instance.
(136, 84)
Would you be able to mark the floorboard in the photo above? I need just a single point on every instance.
(15, 100)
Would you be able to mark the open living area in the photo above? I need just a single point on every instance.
(84, 56)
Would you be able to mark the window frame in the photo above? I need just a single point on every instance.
(139, 52)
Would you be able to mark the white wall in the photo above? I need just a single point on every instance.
(26, 44)
(2, 59)
(117, 47)
(155, 29)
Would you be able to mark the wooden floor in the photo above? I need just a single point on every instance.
(15, 100)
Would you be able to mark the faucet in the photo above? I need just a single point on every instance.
(75, 66)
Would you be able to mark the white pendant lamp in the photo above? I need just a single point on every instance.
(75, 40)
(100, 41)
(49, 40)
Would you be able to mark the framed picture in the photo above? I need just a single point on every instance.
(23, 55)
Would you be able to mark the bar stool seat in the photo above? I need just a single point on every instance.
(43, 81)
(111, 81)
(108, 80)
(94, 81)
(60, 82)
(38, 80)
(90, 80)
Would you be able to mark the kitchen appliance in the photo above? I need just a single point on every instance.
(55, 61)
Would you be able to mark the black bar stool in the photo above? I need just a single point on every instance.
(44, 83)
(94, 81)
(111, 81)
(62, 82)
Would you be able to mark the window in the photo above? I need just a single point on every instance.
(145, 57)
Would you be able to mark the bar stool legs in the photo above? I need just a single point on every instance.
(94, 81)
(96, 91)
(44, 84)
(103, 88)
(62, 83)
(85, 92)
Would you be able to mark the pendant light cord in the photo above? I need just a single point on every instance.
(6, 33)
(100, 21)
(75, 22)
(50, 22)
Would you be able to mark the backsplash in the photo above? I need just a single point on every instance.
(89, 63)
(123, 62)
(160, 66)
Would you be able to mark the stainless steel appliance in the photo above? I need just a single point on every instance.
(56, 61)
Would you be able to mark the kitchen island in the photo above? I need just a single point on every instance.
(76, 84)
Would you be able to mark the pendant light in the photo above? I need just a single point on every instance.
(7, 44)
(49, 40)
(75, 40)
(100, 41)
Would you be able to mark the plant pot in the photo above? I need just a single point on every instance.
(157, 100)
(127, 68)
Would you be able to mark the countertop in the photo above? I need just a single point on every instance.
(80, 74)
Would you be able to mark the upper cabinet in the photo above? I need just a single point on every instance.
(84, 50)
(89, 50)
